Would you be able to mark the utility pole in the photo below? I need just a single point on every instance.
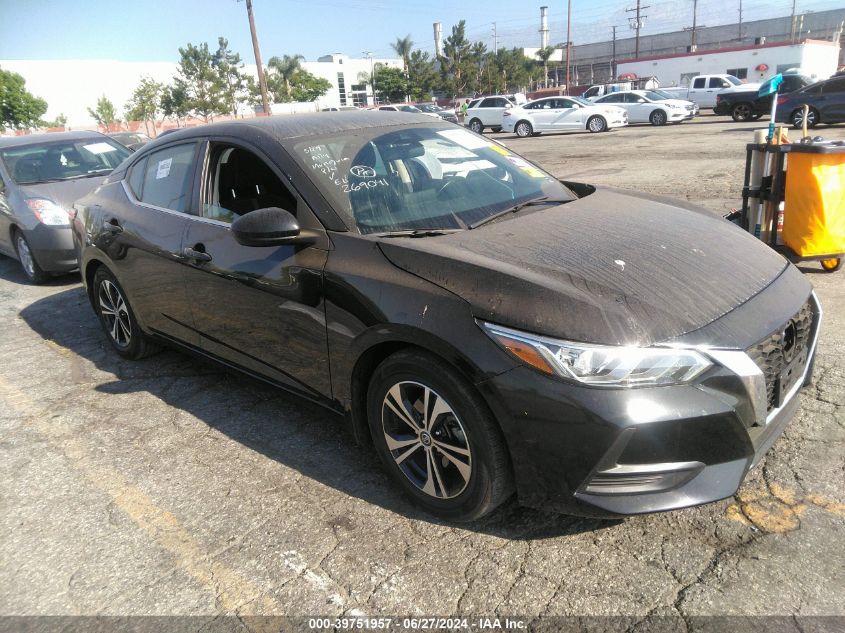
(694, 16)
(369, 55)
(792, 23)
(740, 20)
(262, 82)
(495, 40)
(637, 24)
(613, 57)
(569, 39)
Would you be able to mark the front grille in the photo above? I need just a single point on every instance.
(772, 358)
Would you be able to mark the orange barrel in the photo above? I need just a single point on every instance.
(814, 207)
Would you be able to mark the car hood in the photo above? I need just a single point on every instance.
(677, 102)
(63, 192)
(613, 268)
(742, 88)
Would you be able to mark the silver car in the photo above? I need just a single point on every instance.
(41, 176)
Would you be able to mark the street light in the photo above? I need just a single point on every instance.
(369, 55)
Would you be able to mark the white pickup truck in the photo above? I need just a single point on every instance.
(704, 88)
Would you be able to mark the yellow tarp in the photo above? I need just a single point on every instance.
(814, 208)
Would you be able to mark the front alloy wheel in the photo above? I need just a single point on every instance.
(523, 129)
(597, 124)
(798, 118)
(475, 126)
(30, 267)
(436, 436)
(658, 117)
(117, 318)
(426, 439)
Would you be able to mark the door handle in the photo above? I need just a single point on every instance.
(200, 256)
(112, 226)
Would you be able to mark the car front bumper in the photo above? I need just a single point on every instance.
(616, 452)
(52, 247)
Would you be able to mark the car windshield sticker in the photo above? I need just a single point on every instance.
(163, 170)
(99, 148)
(465, 139)
(525, 167)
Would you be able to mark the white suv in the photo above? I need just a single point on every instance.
(487, 112)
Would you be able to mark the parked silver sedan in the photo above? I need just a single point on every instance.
(41, 176)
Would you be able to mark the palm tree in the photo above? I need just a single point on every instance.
(286, 66)
(403, 47)
(544, 54)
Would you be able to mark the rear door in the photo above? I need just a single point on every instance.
(543, 113)
(258, 308)
(142, 235)
(698, 91)
(832, 101)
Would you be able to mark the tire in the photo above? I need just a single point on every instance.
(742, 112)
(26, 257)
(596, 124)
(797, 118)
(658, 117)
(832, 265)
(476, 126)
(117, 318)
(467, 480)
(523, 129)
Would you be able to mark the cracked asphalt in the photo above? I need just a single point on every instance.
(171, 487)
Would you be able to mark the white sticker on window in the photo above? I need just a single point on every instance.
(163, 170)
(100, 148)
(464, 139)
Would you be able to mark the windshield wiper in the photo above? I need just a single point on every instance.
(516, 208)
(415, 233)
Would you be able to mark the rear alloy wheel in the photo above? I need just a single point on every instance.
(596, 124)
(658, 117)
(30, 267)
(475, 126)
(117, 318)
(524, 129)
(798, 118)
(436, 438)
(742, 112)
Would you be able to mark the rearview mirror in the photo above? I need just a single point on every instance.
(266, 227)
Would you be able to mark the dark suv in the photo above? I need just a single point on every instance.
(825, 98)
(745, 105)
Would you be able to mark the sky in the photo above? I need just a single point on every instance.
(153, 30)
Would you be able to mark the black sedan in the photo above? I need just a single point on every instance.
(40, 177)
(826, 101)
(487, 327)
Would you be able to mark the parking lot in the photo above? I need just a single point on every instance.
(171, 487)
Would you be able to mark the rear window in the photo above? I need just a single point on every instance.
(62, 160)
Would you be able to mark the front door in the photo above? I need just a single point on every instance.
(568, 116)
(259, 308)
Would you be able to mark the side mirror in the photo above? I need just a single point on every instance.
(266, 227)
(508, 106)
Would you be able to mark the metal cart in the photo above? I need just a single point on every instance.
(772, 191)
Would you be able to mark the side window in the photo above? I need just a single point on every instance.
(835, 85)
(613, 99)
(566, 104)
(240, 182)
(167, 177)
(592, 92)
(698, 82)
(136, 178)
(718, 82)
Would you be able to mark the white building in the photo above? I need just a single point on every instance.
(815, 58)
(71, 86)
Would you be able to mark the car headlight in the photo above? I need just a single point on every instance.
(48, 212)
(601, 365)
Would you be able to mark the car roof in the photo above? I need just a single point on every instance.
(284, 127)
(48, 137)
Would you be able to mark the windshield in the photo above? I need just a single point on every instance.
(409, 108)
(62, 160)
(420, 178)
(581, 101)
(658, 95)
(733, 80)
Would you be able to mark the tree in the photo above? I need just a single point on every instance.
(19, 108)
(423, 78)
(59, 121)
(229, 69)
(460, 63)
(307, 87)
(392, 83)
(543, 55)
(284, 68)
(145, 103)
(174, 102)
(104, 114)
(402, 47)
(203, 88)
